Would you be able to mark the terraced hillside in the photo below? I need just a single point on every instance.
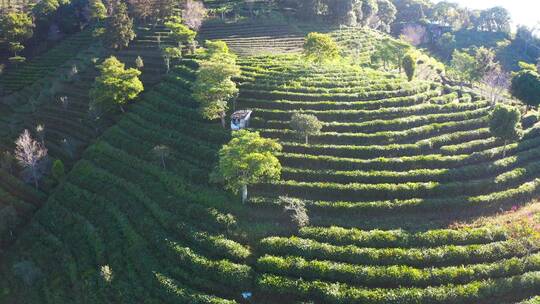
(45, 65)
(59, 101)
(251, 38)
(386, 144)
(396, 165)
(403, 158)
(175, 233)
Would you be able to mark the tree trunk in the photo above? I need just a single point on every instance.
(34, 175)
(163, 162)
(122, 109)
(504, 149)
(307, 139)
(223, 123)
(244, 191)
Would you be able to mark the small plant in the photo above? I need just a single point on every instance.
(161, 152)
(27, 271)
(64, 102)
(8, 220)
(106, 273)
(30, 154)
(295, 210)
(58, 170)
(40, 131)
(139, 63)
(7, 161)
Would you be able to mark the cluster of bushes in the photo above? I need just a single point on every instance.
(396, 275)
(341, 293)
(383, 113)
(525, 159)
(358, 95)
(405, 136)
(400, 238)
(342, 105)
(447, 255)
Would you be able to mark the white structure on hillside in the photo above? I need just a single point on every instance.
(240, 119)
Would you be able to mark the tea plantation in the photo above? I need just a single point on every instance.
(52, 91)
(409, 195)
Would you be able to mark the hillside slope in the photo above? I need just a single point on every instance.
(52, 91)
(396, 165)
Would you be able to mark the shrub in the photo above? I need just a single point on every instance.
(58, 171)
(295, 210)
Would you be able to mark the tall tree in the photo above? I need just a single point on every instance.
(16, 28)
(162, 9)
(169, 54)
(141, 9)
(386, 15)
(344, 11)
(320, 48)
(214, 87)
(369, 10)
(496, 81)
(505, 124)
(305, 125)
(44, 10)
(246, 160)
(495, 19)
(414, 34)
(179, 32)
(30, 154)
(193, 14)
(485, 61)
(409, 11)
(463, 67)
(525, 86)
(119, 31)
(409, 65)
(98, 11)
(116, 85)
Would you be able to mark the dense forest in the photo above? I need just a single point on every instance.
(268, 151)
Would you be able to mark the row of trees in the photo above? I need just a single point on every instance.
(378, 14)
(446, 13)
(321, 48)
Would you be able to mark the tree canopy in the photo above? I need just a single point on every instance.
(409, 65)
(305, 124)
(525, 86)
(247, 159)
(505, 123)
(320, 48)
(463, 67)
(179, 32)
(98, 11)
(214, 86)
(116, 85)
(119, 30)
(16, 27)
